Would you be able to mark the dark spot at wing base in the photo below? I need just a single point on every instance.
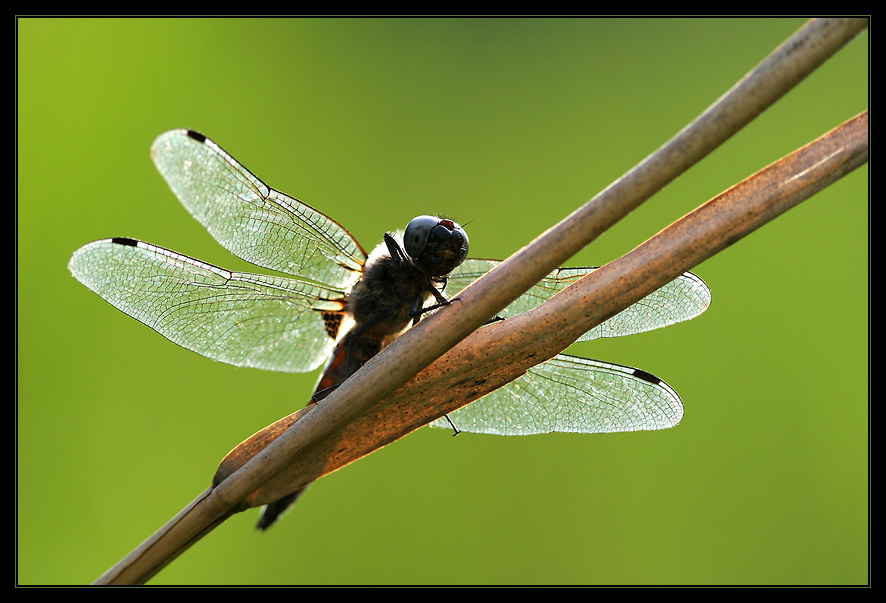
(333, 322)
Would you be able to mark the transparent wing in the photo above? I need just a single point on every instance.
(253, 221)
(683, 298)
(253, 320)
(572, 394)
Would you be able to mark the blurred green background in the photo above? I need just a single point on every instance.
(505, 124)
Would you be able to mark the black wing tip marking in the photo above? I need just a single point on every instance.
(125, 241)
(196, 136)
(647, 376)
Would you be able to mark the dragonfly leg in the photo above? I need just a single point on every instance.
(417, 314)
(321, 394)
(451, 424)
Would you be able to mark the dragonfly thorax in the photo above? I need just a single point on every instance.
(385, 298)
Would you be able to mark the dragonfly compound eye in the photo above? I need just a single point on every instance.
(415, 239)
(436, 245)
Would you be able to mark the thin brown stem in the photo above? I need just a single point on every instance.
(352, 422)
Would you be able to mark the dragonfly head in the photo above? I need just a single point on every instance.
(436, 245)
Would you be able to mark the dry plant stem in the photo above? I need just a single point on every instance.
(498, 353)
(416, 349)
(329, 437)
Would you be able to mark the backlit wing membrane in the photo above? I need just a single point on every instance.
(253, 221)
(572, 394)
(289, 324)
(252, 320)
(683, 298)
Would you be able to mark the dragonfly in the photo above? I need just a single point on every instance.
(332, 302)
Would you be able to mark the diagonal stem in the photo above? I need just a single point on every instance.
(316, 442)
